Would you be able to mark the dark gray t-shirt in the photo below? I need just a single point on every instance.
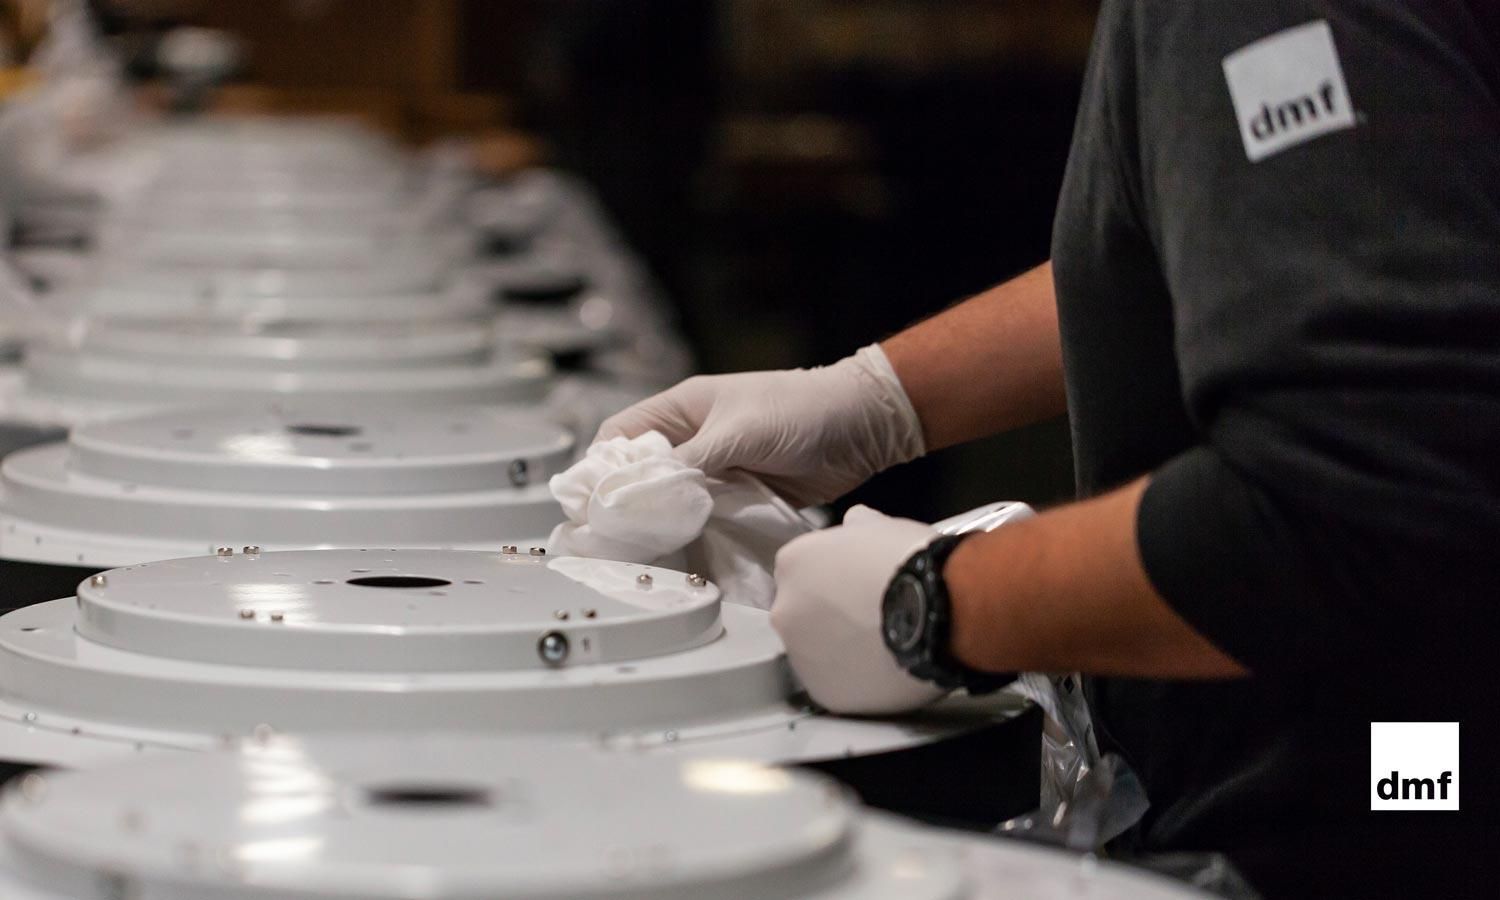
(1277, 256)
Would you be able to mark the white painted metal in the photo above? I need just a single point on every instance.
(122, 288)
(295, 344)
(184, 482)
(175, 654)
(445, 819)
(72, 386)
(357, 610)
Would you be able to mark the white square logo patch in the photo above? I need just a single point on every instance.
(1413, 765)
(1288, 89)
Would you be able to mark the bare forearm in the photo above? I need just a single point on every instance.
(992, 363)
(1066, 591)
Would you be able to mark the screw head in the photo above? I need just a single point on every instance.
(560, 615)
(247, 614)
(538, 551)
(591, 614)
(508, 548)
(251, 550)
(277, 617)
(224, 551)
(697, 580)
(643, 579)
(519, 472)
(553, 648)
(98, 581)
(33, 787)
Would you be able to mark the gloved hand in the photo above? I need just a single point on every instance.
(830, 586)
(812, 435)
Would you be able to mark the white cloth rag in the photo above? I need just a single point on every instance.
(629, 499)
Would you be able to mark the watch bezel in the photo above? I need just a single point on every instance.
(927, 656)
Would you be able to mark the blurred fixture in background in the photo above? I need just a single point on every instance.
(802, 176)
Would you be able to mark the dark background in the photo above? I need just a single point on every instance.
(802, 197)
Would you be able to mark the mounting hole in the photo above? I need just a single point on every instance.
(313, 429)
(399, 581)
(546, 290)
(428, 796)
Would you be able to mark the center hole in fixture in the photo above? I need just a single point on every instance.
(399, 581)
(427, 796)
(313, 429)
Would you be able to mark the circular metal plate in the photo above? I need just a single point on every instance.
(266, 643)
(463, 819)
(509, 376)
(396, 610)
(181, 483)
(388, 290)
(294, 344)
(435, 819)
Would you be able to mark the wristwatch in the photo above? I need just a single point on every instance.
(917, 623)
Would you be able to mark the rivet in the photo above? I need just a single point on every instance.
(560, 614)
(553, 648)
(33, 787)
(697, 580)
(591, 614)
(247, 614)
(519, 473)
(224, 551)
(252, 550)
(508, 548)
(277, 617)
(98, 581)
(671, 737)
(538, 551)
(29, 717)
(643, 579)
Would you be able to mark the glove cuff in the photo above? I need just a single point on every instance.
(905, 440)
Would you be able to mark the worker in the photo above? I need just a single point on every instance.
(1272, 314)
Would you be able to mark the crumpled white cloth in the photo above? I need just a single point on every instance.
(629, 499)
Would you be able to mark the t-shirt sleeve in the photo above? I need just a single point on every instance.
(1326, 211)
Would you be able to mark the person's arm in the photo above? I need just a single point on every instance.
(1066, 591)
(987, 365)
(1335, 342)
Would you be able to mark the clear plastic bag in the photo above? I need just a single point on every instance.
(1087, 799)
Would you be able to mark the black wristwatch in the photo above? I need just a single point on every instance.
(917, 623)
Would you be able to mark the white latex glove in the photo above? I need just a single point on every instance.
(830, 586)
(812, 435)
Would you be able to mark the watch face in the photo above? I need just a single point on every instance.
(904, 613)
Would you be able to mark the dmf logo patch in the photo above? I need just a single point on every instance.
(1288, 89)
(1414, 765)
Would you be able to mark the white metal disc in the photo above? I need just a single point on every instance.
(468, 819)
(272, 646)
(183, 482)
(395, 611)
(511, 375)
(437, 820)
(120, 288)
(294, 344)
